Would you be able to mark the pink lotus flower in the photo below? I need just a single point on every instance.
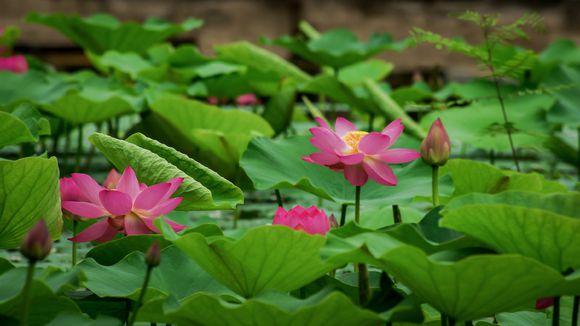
(359, 154)
(310, 220)
(247, 99)
(130, 208)
(15, 63)
(37, 244)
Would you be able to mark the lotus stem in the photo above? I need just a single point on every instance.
(26, 293)
(469, 323)
(578, 163)
(364, 288)
(279, 198)
(397, 214)
(435, 185)
(556, 312)
(575, 311)
(141, 296)
(343, 208)
(444, 320)
(75, 225)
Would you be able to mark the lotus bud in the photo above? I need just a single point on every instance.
(37, 244)
(153, 255)
(311, 220)
(436, 147)
(333, 222)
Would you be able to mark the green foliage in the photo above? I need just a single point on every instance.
(103, 32)
(291, 261)
(24, 124)
(29, 191)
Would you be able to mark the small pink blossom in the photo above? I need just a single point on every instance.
(544, 303)
(247, 99)
(129, 208)
(37, 244)
(359, 154)
(16, 63)
(310, 220)
(436, 147)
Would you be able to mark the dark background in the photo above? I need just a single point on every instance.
(231, 20)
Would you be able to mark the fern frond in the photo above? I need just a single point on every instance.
(454, 45)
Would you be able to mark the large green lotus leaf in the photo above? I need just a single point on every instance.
(474, 287)
(111, 252)
(153, 162)
(565, 80)
(98, 100)
(177, 276)
(338, 47)
(33, 86)
(23, 125)
(540, 226)
(103, 32)
(481, 124)
(471, 176)
(273, 309)
(274, 164)
(250, 55)
(265, 258)
(44, 304)
(29, 191)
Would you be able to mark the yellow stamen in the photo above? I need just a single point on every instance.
(353, 138)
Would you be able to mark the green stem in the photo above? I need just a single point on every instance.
(74, 244)
(492, 157)
(469, 323)
(578, 163)
(26, 293)
(278, 198)
(444, 320)
(451, 321)
(556, 312)
(343, 208)
(364, 289)
(575, 309)
(79, 148)
(397, 214)
(357, 204)
(237, 213)
(435, 186)
(141, 296)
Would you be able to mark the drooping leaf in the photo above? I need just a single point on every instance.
(265, 258)
(279, 109)
(103, 32)
(29, 191)
(154, 163)
(540, 226)
(220, 136)
(262, 60)
(273, 309)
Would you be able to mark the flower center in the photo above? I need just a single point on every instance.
(353, 138)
